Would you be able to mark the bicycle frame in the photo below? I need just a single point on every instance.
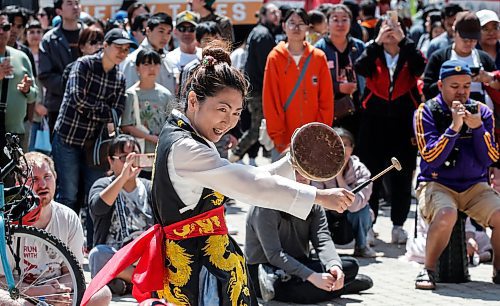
(9, 276)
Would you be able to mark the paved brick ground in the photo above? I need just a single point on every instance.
(392, 275)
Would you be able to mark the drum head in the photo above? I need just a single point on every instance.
(317, 151)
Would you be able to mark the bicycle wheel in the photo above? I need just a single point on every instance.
(45, 265)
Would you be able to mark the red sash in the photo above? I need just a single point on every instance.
(146, 247)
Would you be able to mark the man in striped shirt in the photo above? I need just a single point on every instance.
(455, 139)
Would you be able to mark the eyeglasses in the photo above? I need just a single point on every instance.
(122, 158)
(184, 29)
(5, 27)
(42, 14)
(94, 42)
(490, 30)
(293, 26)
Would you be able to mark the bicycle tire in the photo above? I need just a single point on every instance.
(61, 253)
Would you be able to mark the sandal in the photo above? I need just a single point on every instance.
(426, 280)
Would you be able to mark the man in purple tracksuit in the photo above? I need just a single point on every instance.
(456, 142)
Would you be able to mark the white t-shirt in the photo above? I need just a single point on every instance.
(473, 61)
(65, 225)
(180, 59)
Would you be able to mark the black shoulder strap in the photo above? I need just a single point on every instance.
(441, 119)
(3, 107)
(5, 88)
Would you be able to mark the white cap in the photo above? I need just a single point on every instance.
(486, 16)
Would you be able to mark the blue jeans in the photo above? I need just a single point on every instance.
(99, 257)
(72, 170)
(361, 223)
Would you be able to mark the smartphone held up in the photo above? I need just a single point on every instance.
(393, 17)
(144, 161)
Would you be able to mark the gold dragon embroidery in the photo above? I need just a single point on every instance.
(215, 249)
(181, 261)
(219, 198)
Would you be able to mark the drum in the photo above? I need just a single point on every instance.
(317, 152)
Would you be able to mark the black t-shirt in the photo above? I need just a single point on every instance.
(72, 38)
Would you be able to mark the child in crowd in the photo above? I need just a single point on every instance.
(318, 26)
(148, 103)
(353, 173)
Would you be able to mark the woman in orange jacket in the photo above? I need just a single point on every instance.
(286, 109)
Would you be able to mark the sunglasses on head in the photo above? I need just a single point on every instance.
(184, 29)
(5, 27)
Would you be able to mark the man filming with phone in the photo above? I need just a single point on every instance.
(467, 32)
(120, 208)
(455, 139)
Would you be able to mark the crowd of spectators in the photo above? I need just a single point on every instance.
(390, 85)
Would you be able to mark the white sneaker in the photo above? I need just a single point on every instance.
(399, 235)
(267, 278)
(370, 237)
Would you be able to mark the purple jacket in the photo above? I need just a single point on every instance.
(476, 149)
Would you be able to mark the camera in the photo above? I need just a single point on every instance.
(473, 108)
(474, 70)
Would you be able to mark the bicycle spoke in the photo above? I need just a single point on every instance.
(51, 279)
(31, 284)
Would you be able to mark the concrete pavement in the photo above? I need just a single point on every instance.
(392, 275)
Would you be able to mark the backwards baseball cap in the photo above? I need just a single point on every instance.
(454, 67)
(119, 37)
(467, 25)
(187, 16)
(486, 16)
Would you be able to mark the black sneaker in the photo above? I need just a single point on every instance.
(360, 283)
(496, 277)
(119, 286)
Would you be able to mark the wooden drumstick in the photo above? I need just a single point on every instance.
(395, 165)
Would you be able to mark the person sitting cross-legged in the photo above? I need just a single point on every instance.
(278, 243)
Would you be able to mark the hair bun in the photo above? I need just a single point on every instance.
(217, 51)
(208, 61)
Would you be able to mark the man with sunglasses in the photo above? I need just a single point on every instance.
(17, 89)
(185, 27)
(158, 34)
